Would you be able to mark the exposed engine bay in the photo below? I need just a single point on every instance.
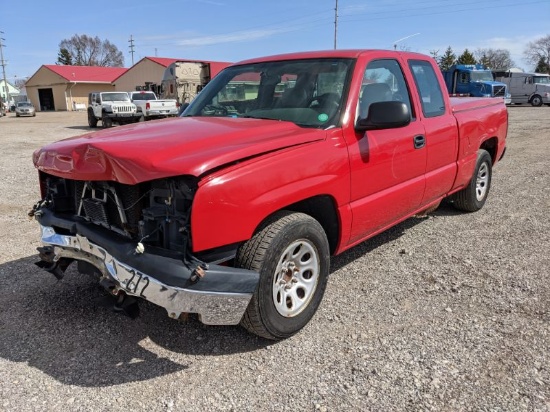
(155, 213)
(138, 239)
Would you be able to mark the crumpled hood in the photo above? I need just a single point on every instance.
(183, 146)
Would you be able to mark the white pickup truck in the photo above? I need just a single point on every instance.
(151, 107)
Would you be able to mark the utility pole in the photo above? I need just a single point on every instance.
(131, 41)
(335, 24)
(3, 63)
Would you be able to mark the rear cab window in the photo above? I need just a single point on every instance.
(427, 83)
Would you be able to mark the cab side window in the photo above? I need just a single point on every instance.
(427, 83)
(383, 81)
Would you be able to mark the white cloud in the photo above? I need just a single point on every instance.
(515, 45)
(232, 37)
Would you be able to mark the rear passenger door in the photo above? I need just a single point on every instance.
(387, 165)
(440, 128)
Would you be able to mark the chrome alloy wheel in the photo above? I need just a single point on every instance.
(296, 278)
(482, 181)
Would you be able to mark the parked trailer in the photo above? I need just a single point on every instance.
(184, 79)
(531, 88)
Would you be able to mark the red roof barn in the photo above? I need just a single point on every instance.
(55, 87)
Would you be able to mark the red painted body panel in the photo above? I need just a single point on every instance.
(182, 146)
(478, 119)
(230, 204)
(251, 168)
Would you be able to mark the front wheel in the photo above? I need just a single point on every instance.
(291, 253)
(92, 120)
(473, 197)
(107, 122)
(536, 101)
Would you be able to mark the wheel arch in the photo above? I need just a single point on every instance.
(491, 146)
(322, 208)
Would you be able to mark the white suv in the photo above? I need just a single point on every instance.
(111, 107)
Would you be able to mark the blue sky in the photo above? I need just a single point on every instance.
(233, 30)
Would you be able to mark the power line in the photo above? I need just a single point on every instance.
(475, 6)
(344, 14)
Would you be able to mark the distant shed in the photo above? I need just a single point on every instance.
(57, 87)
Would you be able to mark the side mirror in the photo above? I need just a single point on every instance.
(385, 115)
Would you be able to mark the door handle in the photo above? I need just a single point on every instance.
(419, 141)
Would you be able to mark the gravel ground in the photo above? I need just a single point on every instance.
(449, 312)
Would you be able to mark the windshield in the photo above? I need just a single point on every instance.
(143, 96)
(24, 104)
(115, 97)
(541, 79)
(481, 76)
(308, 92)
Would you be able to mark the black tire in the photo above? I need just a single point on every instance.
(107, 122)
(288, 295)
(92, 120)
(536, 101)
(473, 197)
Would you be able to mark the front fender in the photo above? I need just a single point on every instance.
(229, 205)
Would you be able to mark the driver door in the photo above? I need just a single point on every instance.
(387, 165)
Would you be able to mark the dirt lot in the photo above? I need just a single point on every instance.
(446, 313)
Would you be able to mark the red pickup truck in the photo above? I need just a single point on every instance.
(233, 210)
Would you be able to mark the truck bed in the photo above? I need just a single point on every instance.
(460, 104)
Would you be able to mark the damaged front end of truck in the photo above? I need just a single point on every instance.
(136, 238)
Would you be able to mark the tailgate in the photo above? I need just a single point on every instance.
(162, 104)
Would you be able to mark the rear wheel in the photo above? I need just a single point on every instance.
(291, 253)
(473, 197)
(536, 100)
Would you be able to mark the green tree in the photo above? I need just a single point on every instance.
(494, 58)
(64, 57)
(542, 67)
(92, 51)
(538, 51)
(466, 58)
(447, 60)
(483, 59)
